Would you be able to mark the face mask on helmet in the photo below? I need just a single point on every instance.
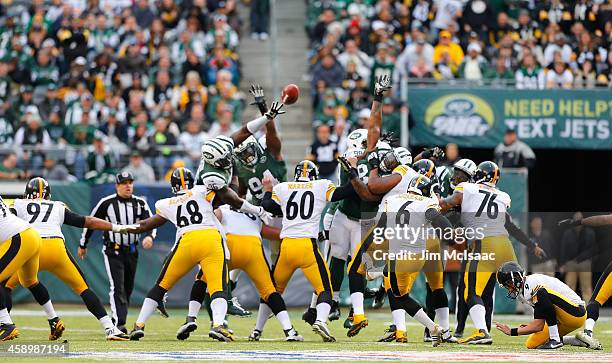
(248, 155)
(459, 176)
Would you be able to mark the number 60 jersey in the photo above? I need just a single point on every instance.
(189, 211)
(484, 209)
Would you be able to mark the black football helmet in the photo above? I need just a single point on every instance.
(421, 185)
(37, 188)
(488, 172)
(182, 179)
(425, 167)
(306, 171)
(511, 276)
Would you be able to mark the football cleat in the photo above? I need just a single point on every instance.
(321, 329)
(478, 337)
(458, 334)
(138, 332)
(379, 298)
(588, 339)
(400, 337)
(349, 320)
(122, 328)
(436, 336)
(292, 335)
(255, 335)
(447, 337)
(114, 334)
(427, 336)
(310, 315)
(8, 332)
(161, 308)
(234, 308)
(57, 328)
(334, 314)
(190, 326)
(359, 322)
(221, 333)
(388, 335)
(551, 344)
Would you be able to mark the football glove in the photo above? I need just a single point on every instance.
(275, 110)
(434, 152)
(381, 85)
(347, 167)
(258, 94)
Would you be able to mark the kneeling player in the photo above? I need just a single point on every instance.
(198, 242)
(558, 310)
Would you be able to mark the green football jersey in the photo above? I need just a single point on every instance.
(353, 206)
(214, 178)
(251, 177)
(444, 177)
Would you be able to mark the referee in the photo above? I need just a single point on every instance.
(120, 252)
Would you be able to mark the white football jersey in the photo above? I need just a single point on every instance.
(407, 174)
(409, 209)
(238, 223)
(484, 207)
(10, 224)
(553, 285)
(46, 216)
(190, 211)
(302, 204)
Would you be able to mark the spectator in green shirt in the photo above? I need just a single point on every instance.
(9, 169)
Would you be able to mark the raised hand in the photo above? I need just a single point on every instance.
(275, 110)
(381, 85)
(259, 98)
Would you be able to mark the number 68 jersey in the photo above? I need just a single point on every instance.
(189, 211)
(302, 204)
(484, 209)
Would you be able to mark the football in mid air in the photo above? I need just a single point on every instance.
(290, 94)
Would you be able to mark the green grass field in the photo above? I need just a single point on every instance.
(85, 335)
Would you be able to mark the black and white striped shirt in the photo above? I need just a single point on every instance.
(118, 210)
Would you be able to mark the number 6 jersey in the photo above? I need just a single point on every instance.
(189, 211)
(302, 204)
(484, 209)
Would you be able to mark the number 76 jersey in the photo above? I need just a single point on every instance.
(302, 204)
(190, 211)
(484, 209)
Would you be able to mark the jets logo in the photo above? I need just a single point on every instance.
(208, 155)
(459, 114)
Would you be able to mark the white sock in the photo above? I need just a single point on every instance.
(219, 309)
(107, 322)
(5, 318)
(336, 296)
(49, 310)
(313, 300)
(442, 314)
(553, 332)
(283, 317)
(255, 125)
(234, 275)
(590, 324)
(262, 316)
(399, 319)
(357, 302)
(421, 317)
(148, 308)
(323, 311)
(477, 313)
(194, 309)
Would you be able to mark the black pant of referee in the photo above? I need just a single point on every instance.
(120, 250)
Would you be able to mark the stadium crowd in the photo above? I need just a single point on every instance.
(87, 87)
(525, 44)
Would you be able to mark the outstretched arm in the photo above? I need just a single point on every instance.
(381, 85)
(594, 221)
(149, 224)
(382, 184)
(452, 201)
(273, 142)
(356, 184)
(255, 125)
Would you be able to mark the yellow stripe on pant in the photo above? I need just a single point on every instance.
(247, 254)
(402, 274)
(603, 289)
(434, 268)
(301, 253)
(569, 318)
(55, 258)
(203, 247)
(478, 272)
(19, 255)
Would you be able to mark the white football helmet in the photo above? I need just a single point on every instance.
(357, 139)
(218, 152)
(249, 152)
(465, 165)
(403, 156)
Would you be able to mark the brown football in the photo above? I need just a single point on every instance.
(290, 94)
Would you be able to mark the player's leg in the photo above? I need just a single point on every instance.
(258, 271)
(488, 298)
(438, 300)
(339, 239)
(233, 305)
(475, 282)
(545, 309)
(178, 263)
(197, 296)
(317, 273)
(357, 282)
(461, 310)
(601, 294)
(117, 297)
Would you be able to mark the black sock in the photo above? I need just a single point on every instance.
(93, 304)
(40, 293)
(276, 303)
(336, 269)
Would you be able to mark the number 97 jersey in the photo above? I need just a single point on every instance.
(190, 211)
(46, 216)
(484, 209)
(302, 204)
